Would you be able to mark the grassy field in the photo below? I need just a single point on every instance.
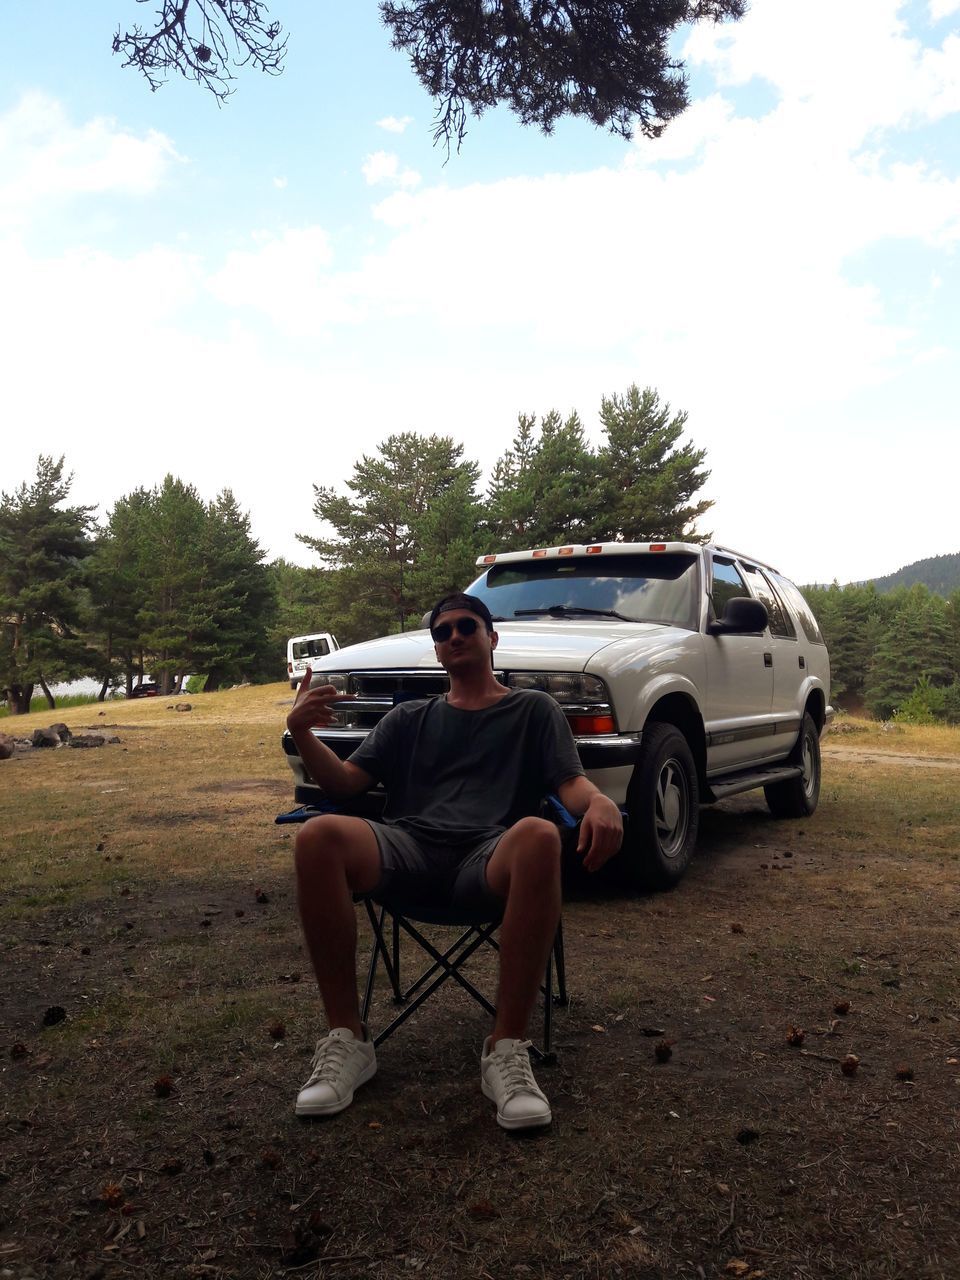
(147, 894)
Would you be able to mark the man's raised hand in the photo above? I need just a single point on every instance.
(313, 707)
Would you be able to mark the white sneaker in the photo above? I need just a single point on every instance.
(340, 1065)
(507, 1077)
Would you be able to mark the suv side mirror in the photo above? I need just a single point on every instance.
(742, 616)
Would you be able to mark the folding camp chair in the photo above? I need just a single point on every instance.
(474, 930)
(391, 920)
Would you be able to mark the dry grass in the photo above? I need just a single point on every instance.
(742, 1149)
(890, 736)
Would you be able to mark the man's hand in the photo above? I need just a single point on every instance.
(601, 832)
(314, 706)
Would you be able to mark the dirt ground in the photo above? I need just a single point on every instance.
(146, 1129)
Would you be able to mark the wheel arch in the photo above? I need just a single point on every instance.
(680, 710)
(815, 707)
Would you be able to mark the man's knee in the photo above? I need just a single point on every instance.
(326, 838)
(536, 845)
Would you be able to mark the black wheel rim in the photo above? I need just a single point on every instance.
(672, 808)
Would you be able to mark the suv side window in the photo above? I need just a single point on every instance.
(780, 624)
(800, 607)
(727, 583)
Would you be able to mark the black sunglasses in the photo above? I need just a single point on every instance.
(464, 626)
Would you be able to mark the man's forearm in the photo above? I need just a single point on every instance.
(576, 794)
(328, 771)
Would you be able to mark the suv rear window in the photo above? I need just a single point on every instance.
(780, 623)
(642, 587)
(800, 607)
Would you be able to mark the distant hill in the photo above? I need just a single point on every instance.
(940, 573)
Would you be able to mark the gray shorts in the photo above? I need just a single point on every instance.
(418, 872)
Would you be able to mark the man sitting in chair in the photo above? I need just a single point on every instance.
(463, 774)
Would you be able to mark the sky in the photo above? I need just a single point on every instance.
(251, 296)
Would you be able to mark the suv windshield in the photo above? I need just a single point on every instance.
(638, 588)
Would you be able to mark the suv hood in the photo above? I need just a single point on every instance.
(551, 645)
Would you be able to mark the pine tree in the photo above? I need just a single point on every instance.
(915, 643)
(116, 587)
(43, 544)
(414, 490)
(240, 599)
(852, 619)
(543, 490)
(178, 614)
(648, 481)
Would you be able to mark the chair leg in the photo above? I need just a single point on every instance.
(561, 997)
(549, 1057)
(378, 952)
(398, 996)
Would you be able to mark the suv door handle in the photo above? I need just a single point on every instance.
(803, 662)
(768, 659)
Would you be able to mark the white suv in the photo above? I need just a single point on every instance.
(687, 672)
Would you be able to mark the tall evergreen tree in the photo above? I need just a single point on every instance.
(915, 643)
(549, 487)
(116, 584)
(852, 620)
(178, 614)
(508, 511)
(240, 598)
(543, 489)
(414, 490)
(648, 480)
(43, 544)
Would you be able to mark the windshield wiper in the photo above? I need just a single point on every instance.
(572, 611)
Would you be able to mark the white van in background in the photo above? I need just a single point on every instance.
(302, 652)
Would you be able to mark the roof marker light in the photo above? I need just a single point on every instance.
(565, 551)
(594, 551)
(658, 546)
(539, 554)
(488, 559)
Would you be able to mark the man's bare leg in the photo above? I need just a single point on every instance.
(335, 857)
(525, 870)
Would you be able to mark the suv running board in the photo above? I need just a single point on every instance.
(748, 781)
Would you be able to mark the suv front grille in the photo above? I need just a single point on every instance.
(384, 684)
(375, 692)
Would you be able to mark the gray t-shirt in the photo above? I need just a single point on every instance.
(462, 776)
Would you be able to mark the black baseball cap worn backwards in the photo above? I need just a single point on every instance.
(459, 600)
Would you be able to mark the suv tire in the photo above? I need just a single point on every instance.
(798, 797)
(663, 809)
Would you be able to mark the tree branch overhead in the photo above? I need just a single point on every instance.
(606, 61)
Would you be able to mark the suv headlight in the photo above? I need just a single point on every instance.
(565, 686)
(337, 678)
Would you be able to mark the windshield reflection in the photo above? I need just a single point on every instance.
(642, 587)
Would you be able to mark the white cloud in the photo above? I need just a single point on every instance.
(704, 121)
(397, 124)
(842, 71)
(287, 277)
(280, 183)
(943, 8)
(45, 158)
(384, 167)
